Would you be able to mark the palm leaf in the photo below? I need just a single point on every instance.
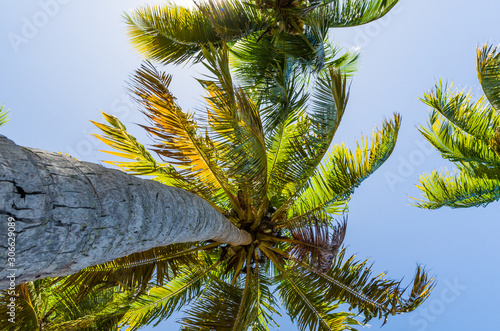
(474, 118)
(488, 72)
(306, 306)
(173, 34)
(4, 116)
(158, 303)
(459, 190)
(455, 144)
(350, 281)
(139, 269)
(355, 12)
(335, 180)
(237, 130)
(313, 137)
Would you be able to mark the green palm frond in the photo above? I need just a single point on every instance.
(314, 134)
(468, 134)
(335, 180)
(139, 269)
(488, 72)
(457, 190)
(237, 130)
(224, 307)
(174, 34)
(306, 306)
(4, 116)
(475, 118)
(350, 281)
(159, 303)
(355, 12)
(24, 313)
(177, 136)
(455, 144)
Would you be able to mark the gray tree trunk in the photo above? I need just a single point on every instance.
(71, 214)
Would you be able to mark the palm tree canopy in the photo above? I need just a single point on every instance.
(466, 132)
(173, 34)
(263, 161)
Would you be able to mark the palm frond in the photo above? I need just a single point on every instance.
(17, 310)
(456, 190)
(223, 307)
(4, 116)
(312, 139)
(174, 34)
(488, 72)
(455, 144)
(474, 118)
(158, 303)
(355, 12)
(237, 130)
(317, 243)
(335, 180)
(177, 136)
(350, 281)
(139, 269)
(307, 307)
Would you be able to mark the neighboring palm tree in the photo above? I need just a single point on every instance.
(268, 170)
(466, 132)
(288, 28)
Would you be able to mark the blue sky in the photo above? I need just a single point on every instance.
(63, 61)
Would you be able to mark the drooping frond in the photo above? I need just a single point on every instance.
(457, 145)
(355, 12)
(306, 306)
(224, 307)
(474, 118)
(158, 303)
(457, 190)
(335, 180)
(317, 245)
(139, 269)
(488, 72)
(350, 281)
(98, 310)
(4, 116)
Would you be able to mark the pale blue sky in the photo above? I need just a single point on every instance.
(59, 75)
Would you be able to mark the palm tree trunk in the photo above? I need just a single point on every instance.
(71, 214)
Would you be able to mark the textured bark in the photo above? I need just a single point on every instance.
(71, 214)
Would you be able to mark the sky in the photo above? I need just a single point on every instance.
(64, 61)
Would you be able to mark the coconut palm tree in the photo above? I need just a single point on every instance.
(291, 28)
(466, 132)
(268, 169)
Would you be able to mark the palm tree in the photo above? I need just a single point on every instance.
(269, 171)
(255, 29)
(467, 133)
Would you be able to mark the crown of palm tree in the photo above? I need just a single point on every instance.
(296, 28)
(264, 163)
(467, 133)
